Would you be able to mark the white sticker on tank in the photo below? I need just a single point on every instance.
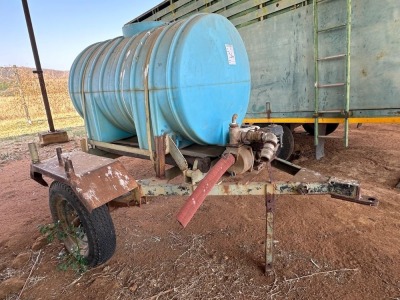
(230, 52)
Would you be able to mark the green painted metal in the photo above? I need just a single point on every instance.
(279, 38)
(348, 75)
(316, 90)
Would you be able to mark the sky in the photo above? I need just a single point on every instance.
(63, 28)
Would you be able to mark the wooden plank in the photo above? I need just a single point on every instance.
(47, 138)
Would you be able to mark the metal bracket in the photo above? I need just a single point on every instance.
(95, 180)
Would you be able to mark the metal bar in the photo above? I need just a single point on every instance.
(286, 166)
(34, 153)
(84, 145)
(331, 111)
(267, 11)
(39, 70)
(332, 28)
(120, 148)
(329, 137)
(353, 120)
(331, 57)
(316, 54)
(348, 74)
(224, 7)
(59, 156)
(177, 155)
(323, 186)
(320, 149)
(269, 228)
(152, 38)
(330, 85)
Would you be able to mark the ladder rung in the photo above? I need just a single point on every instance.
(333, 28)
(329, 85)
(331, 111)
(329, 137)
(332, 57)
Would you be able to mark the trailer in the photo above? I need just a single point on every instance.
(174, 94)
(313, 63)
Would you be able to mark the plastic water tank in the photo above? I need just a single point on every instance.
(185, 79)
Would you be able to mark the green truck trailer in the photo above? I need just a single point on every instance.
(313, 63)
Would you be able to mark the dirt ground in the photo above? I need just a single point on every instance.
(324, 248)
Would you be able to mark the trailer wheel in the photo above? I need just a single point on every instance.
(286, 151)
(330, 128)
(90, 235)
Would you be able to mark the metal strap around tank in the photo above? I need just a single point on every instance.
(151, 40)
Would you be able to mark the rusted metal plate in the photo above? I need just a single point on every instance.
(95, 180)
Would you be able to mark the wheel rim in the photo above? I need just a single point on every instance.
(74, 236)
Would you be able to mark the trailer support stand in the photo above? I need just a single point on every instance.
(269, 228)
(320, 147)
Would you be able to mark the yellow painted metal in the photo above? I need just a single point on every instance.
(382, 120)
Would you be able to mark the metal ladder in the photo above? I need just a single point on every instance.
(345, 110)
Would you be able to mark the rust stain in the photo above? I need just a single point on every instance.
(364, 72)
(226, 189)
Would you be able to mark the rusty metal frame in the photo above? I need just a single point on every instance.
(95, 180)
(121, 148)
(309, 183)
(99, 180)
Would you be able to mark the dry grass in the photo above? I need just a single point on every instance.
(21, 104)
(196, 273)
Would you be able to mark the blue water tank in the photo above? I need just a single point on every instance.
(185, 79)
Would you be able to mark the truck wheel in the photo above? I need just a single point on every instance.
(90, 235)
(286, 151)
(330, 128)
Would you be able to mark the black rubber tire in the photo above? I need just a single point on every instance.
(97, 226)
(330, 128)
(286, 151)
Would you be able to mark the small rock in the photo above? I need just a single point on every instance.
(21, 260)
(133, 287)
(40, 242)
(11, 286)
(106, 268)
(226, 257)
